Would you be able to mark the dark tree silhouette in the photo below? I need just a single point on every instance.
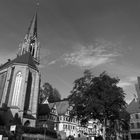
(50, 93)
(97, 97)
(45, 91)
(54, 96)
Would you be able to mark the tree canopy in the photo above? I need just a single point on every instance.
(50, 93)
(97, 97)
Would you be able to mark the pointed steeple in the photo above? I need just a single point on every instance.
(32, 30)
(30, 43)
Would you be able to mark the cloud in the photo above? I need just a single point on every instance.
(129, 81)
(52, 62)
(4, 56)
(132, 78)
(124, 84)
(90, 56)
(45, 54)
(101, 52)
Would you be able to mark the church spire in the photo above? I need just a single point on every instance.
(30, 43)
(32, 30)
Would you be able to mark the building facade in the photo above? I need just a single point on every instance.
(59, 119)
(20, 80)
(134, 110)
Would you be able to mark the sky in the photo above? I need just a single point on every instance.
(74, 35)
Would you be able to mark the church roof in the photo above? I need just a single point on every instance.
(23, 59)
(134, 106)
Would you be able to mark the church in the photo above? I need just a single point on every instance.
(20, 81)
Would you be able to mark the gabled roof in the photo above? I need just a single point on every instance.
(134, 106)
(51, 105)
(23, 59)
(61, 106)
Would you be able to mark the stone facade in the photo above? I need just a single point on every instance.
(20, 81)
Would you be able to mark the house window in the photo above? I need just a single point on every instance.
(132, 125)
(69, 127)
(17, 87)
(137, 116)
(64, 127)
(66, 118)
(60, 118)
(138, 125)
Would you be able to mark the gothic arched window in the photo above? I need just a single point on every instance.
(16, 91)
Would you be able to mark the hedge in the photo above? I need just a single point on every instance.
(36, 130)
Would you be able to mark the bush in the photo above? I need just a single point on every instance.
(32, 130)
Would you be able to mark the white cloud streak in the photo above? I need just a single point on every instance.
(52, 62)
(124, 84)
(129, 81)
(90, 57)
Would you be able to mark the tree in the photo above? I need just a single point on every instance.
(97, 97)
(45, 91)
(54, 96)
(42, 96)
(50, 93)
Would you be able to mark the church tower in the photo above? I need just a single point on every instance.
(20, 80)
(30, 43)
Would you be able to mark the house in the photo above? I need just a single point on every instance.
(60, 120)
(134, 109)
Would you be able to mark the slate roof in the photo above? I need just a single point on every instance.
(43, 109)
(134, 106)
(61, 106)
(51, 105)
(23, 59)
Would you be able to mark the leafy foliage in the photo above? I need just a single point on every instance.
(37, 130)
(97, 97)
(54, 96)
(50, 93)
